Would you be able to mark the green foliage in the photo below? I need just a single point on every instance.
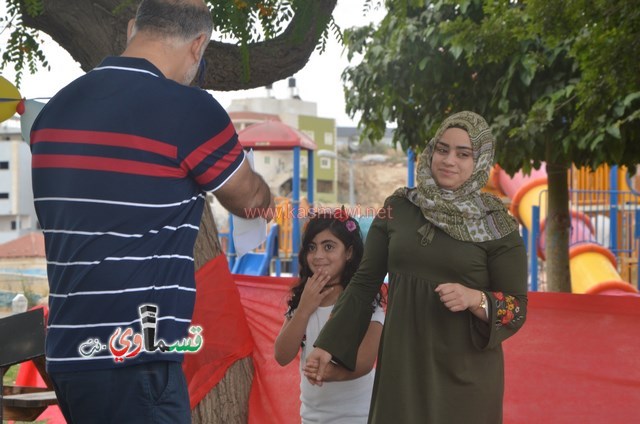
(544, 73)
(23, 48)
(9, 378)
(407, 74)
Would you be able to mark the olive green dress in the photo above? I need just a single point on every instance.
(434, 365)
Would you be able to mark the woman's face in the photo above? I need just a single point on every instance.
(327, 253)
(452, 161)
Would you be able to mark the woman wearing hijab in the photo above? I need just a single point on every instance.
(457, 289)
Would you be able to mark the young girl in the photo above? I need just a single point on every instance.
(331, 251)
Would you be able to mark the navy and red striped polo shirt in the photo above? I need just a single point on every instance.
(122, 158)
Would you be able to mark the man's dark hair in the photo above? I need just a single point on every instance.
(174, 18)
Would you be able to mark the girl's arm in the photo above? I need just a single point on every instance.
(367, 354)
(290, 338)
(294, 328)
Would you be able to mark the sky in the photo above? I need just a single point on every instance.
(319, 81)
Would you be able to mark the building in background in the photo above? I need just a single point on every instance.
(277, 166)
(348, 138)
(17, 212)
(23, 269)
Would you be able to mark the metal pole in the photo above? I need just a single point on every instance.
(295, 201)
(311, 179)
(352, 196)
(533, 239)
(411, 172)
(637, 235)
(613, 209)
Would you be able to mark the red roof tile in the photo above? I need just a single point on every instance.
(29, 246)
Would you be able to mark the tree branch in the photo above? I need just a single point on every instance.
(89, 31)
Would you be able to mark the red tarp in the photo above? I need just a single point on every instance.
(224, 329)
(275, 394)
(234, 330)
(576, 360)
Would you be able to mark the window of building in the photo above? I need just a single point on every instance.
(4, 195)
(328, 138)
(325, 163)
(310, 134)
(14, 225)
(4, 165)
(325, 186)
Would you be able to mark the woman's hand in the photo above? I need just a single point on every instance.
(314, 292)
(316, 366)
(457, 297)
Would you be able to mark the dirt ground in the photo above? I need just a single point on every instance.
(374, 182)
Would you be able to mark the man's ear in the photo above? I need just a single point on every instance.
(197, 46)
(130, 25)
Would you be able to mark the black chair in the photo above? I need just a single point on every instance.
(22, 338)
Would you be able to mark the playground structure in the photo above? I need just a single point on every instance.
(258, 262)
(275, 135)
(593, 263)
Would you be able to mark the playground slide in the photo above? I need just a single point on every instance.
(257, 263)
(593, 267)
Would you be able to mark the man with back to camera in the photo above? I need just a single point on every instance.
(122, 160)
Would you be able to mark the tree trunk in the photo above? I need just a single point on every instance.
(91, 30)
(558, 226)
(228, 401)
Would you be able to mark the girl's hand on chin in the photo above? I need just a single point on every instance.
(314, 292)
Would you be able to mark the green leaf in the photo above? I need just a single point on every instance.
(630, 98)
(456, 51)
(527, 72)
(614, 131)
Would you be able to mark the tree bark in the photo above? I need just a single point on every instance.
(91, 30)
(558, 226)
(228, 401)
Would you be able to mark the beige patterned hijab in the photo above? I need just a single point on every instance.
(466, 214)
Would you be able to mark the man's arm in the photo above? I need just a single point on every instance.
(246, 194)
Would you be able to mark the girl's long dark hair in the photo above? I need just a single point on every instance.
(344, 228)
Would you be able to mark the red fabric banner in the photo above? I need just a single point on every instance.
(576, 360)
(224, 329)
(275, 394)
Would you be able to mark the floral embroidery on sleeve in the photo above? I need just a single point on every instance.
(507, 309)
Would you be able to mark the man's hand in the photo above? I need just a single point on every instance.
(270, 212)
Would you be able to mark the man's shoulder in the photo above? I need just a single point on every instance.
(196, 100)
